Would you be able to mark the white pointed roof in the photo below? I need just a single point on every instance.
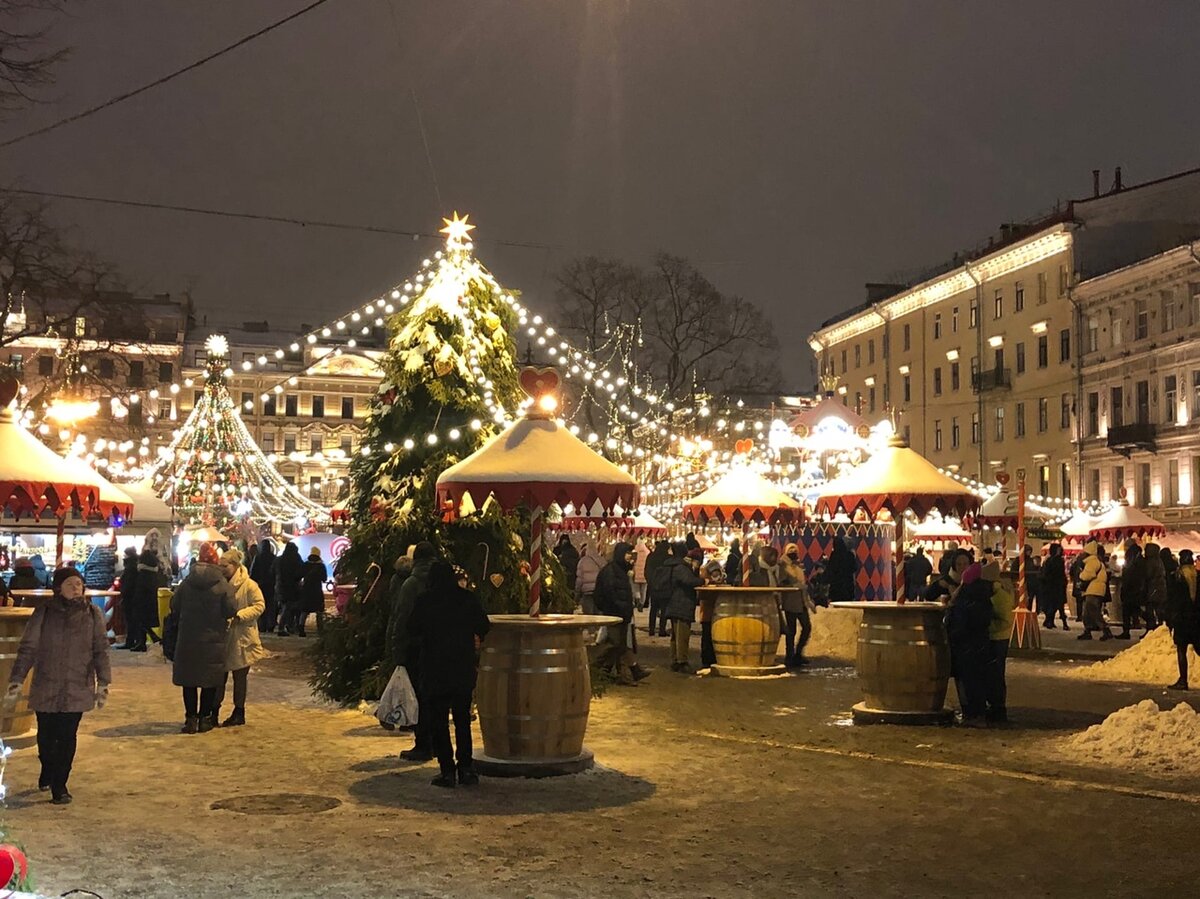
(1124, 521)
(112, 498)
(33, 478)
(149, 509)
(740, 495)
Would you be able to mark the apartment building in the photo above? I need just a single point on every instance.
(981, 360)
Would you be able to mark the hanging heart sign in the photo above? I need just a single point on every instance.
(743, 446)
(497, 579)
(538, 382)
(1002, 478)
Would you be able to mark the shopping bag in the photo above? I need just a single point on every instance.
(398, 705)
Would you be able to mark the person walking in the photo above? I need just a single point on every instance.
(406, 644)
(242, 646)
(1183, 615)
(658, 595)
(733, 564)
(129, 594)
(568, 557)
(1004, 605)
(1133, 589)
(312, 592)
(1093, 579)
(586, 573)
(262, 572)
(840, 571)
(968, 627)
(66, 645)
(203, 605)
(1053, 590)
(289, 569)
(796, 612)
(681, 606)
(447, 622)
(614, 596)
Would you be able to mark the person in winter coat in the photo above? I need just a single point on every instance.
(1133, 589)
(641, 552)
(733, 564)
(1156, 586)
(947, 559)
(446, 622)
(568, 557)
(657, 597)
(153, 572)
(614, 596)
(262, 572)
(66, 644)
(242, 646)
(586, 573)
(289, 569)
(24, 577)
(406, 643)
(1053, 593)
(770, 570)
(917, 572)
(968, 626)
(40, 572)
(840, 571)
(681, 607)
(1093, 578)
(128, 590)
(1004, 605)
(203, 605)
(312, 592)
(1182, 615)
(946, 585)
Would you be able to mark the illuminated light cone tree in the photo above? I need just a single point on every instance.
(450, 382)
(214, 473)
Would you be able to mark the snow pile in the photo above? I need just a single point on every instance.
(1143, 736)
(1149, 661)
(834, 634)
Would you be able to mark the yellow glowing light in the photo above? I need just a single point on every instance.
(457, 230)
(69, 410)
(547, 403)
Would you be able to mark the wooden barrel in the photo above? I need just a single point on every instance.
(745, 627)
(535, 689)
(20, 719)
(903, 657)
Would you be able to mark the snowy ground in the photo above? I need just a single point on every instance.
(706, 787)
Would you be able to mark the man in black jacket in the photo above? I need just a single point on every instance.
(614, 596)
(406, 645)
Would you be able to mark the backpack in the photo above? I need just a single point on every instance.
(661, 583)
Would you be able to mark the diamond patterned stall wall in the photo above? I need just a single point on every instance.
(870, 543)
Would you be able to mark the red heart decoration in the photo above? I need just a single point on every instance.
(1002, 478)
(539, 381)
(20, 864)
(743, 446)
(8, 868)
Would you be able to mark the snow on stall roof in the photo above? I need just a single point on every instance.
(742, 489)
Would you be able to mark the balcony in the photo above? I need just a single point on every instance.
(991, 379)
(1125, 439)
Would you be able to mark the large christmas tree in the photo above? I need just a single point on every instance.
(450, 381)
(214, 473)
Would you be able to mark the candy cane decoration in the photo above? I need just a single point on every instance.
(1022, 595)
(535, 562)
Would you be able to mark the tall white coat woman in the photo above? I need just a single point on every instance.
(242, 645)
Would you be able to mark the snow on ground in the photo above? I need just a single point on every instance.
(1149, 661)
(834, 634)
(1145, 737)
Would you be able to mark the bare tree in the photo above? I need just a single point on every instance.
(26, 59)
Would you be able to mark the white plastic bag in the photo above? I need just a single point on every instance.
(398, 704)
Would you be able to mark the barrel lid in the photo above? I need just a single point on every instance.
(914, 606)
(559, 621)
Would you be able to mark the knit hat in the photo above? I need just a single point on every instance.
(61, 576)
(314, 553)
(990, 571)
(232, 557)
(972, 574)
(208, 553)
(697, 554)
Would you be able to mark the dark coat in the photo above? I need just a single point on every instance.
(916, 575)
(840, 571)
(66, 645)
(968, 623)
(1156, 578)
(1181, 614)
(129, 580)
(568, 556)
(312, 585)
(405, 646)
(150, 577)
(684, 581)
(25, 578)
(289, 569)
(657, 556)
(445, 621)
(614, 590)
(203, 604)
(1054, 579)
(1133, 581)
(733, 568)
(262, 571)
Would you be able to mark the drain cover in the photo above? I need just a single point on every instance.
(277, 804)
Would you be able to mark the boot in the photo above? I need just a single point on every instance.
(237, 719)
(467, 776)
(1178, 685)
(444, 780)
(1124, 635)
(1107, 635)
(639, 673)
(205, 724)
(191, 725)
(1086, 635)
(416, 754)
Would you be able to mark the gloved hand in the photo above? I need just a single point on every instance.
(101, 696)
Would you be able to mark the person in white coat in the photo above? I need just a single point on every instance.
(242, 645)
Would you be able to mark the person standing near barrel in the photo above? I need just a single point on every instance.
(968, 626)
(66, 645)
(680, 573)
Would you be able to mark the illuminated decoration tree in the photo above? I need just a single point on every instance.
(450, 380)
(214, 473)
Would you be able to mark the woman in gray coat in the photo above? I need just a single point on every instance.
(66, 645)
(203, 605)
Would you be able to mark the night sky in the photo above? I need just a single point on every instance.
(794, 150)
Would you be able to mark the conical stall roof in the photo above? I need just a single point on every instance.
(828, 407)
(205, 534)
(936, 529)
(151, 510)
(111, 499)
(643, 524)
(1078, 527)
(339, 512)
(536, 462)
(738, 496)
(899, 479)
(34, 480)
(1000, 511)
(1124, 521)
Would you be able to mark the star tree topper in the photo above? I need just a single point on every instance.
(457, 230)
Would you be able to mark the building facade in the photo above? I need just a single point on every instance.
(1140, 386)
